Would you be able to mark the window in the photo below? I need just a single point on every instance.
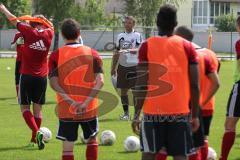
(200, 13)
(218, 9)
(205, 12)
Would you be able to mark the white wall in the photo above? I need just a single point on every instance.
(221, 40)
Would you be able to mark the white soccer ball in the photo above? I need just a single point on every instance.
(83, 140)
(132, 144)
(47, 134)
(8, 68)
(212, 155)
(108, 138)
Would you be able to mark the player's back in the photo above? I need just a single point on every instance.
(168, 68)
(36, 47)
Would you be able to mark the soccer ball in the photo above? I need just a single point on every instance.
(83, 140)
(212, 155)
(132, 144)
(108, 138)
(47, 134)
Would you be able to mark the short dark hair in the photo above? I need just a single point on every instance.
(185, 32)
(238, 21)
(167, 18)
(70, 29)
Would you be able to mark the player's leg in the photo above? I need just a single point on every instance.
(39, 92)
(25, 102)
(206, 123)
(37, 112)
(17, 75)
(228, 137)
(67, 153)
(232, 117)
(179, 138)
(180, 157)
(198, 141)
(90, 130)
(125, 104)
(148, 156)
(151, 145)
(161, 155)
(123, 85)
(68, 133)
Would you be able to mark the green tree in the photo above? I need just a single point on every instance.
(145, 11)
(226, 23)
(57, 11)
(17, 7)
(91, 13)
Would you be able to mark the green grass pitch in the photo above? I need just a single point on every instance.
(14, 134)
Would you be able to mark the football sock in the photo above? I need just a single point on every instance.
(29, 119)
(204, 150)
(92, 151)
(38, 121)
(195, 156)
(124, 100)
(161, 156)
(227, 143)
(67, 155)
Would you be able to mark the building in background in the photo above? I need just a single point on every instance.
(205, 12)
(196, 14)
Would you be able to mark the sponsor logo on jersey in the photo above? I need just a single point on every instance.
(39, 45)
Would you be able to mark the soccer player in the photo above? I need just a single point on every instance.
(209, 84)
(18, 41)
(76, 74)
(125, 61)
(33, 80)
(233, 107)
(167, 79)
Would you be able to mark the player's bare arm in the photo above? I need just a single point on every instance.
(95, 90)
(56, 87)
(194, 90)
(8, 14)
(115, 62)
(140, 94)
(215, 84)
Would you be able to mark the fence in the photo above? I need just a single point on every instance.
(104, 39)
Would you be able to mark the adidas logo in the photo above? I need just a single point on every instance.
(39, 45)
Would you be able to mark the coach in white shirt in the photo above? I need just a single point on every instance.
(125, 60)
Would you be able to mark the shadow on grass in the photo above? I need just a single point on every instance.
(50, 102)
(125, 152)
(23, 148)
(109, 120)
(238, 136)
(80, 144)
(6, 98)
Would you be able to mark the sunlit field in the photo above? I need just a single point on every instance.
(15, 135)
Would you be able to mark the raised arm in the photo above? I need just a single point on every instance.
(8, 14)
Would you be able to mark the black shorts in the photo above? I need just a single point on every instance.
(233, 107)
(32, 89)
(126, 77)
(206, 124)
(17, 72)
(68, 130)
(175, 136)
(198, 136)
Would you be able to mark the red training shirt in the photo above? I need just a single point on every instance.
(35, 50)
